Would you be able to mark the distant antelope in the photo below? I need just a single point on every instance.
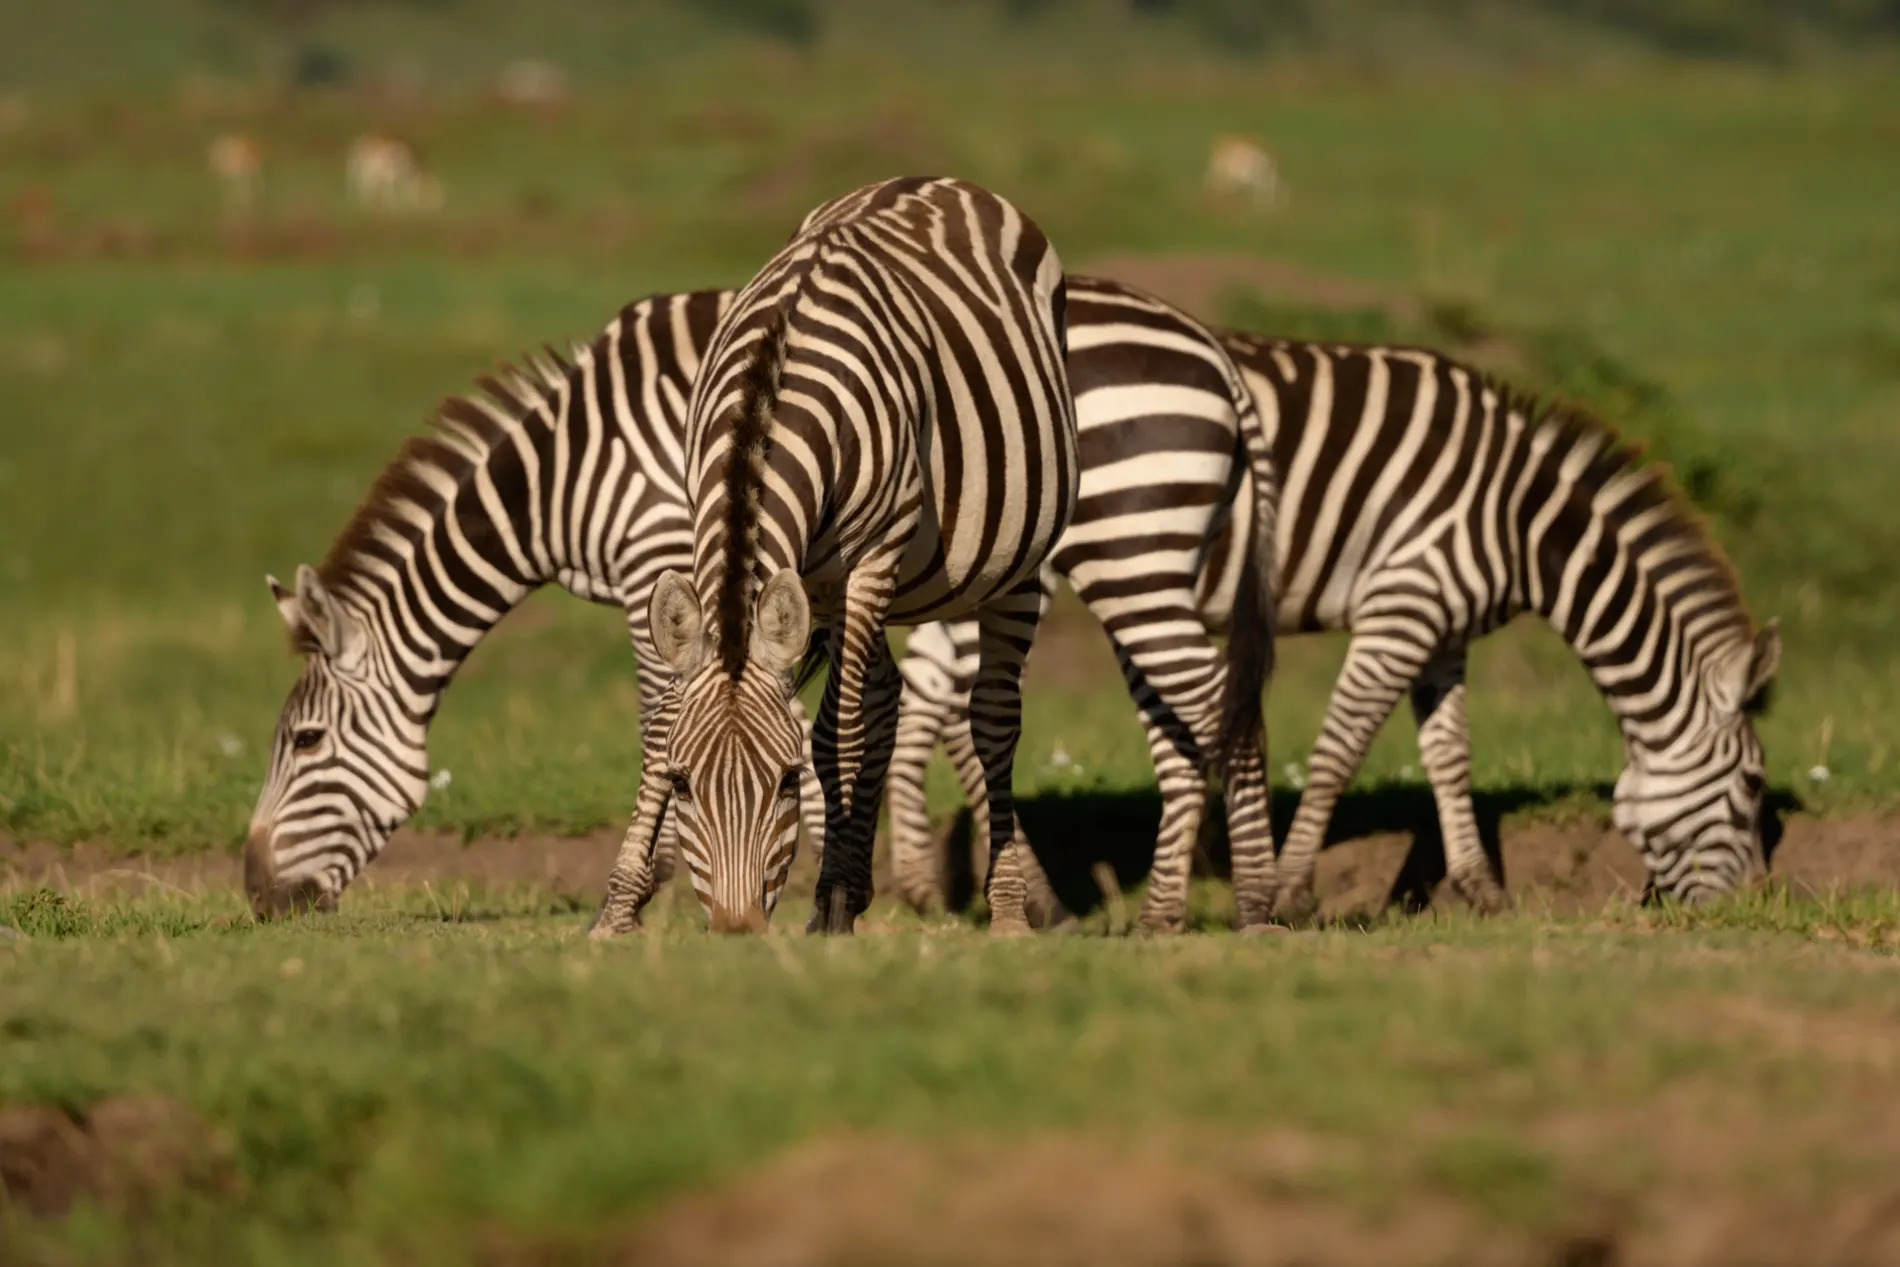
(237, 162)
(387, 174)
(1241, 165)
(531, 81)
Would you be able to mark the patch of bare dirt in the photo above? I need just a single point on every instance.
(1580, 866)
(124, 1152)
(1061, 1200)
(1724, 1183)
(1563, 867)
(562, 863)
(1053, 1202)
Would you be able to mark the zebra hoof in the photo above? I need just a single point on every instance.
(832, 913)
(1047, 911)
(607, 927)
(1481, 893)
(1253, 913)
(1295, 905)
(1161, 923)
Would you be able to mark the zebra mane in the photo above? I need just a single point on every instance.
(464, 432)
(1650, 488)
(745, 480)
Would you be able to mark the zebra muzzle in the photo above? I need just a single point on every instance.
(269, 898)
(744, 920)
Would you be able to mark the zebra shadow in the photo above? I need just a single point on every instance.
(1074, 835)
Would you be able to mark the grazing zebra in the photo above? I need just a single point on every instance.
(572, 474)
(1425, 505)
(576, 475)
(884, 415)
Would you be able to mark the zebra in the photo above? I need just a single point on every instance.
(1424, 505)
(574, 474)
(885, 415)
(558, 472)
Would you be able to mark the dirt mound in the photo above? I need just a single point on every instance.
(1053, 1203)
(124, 1152)
(1266, 1201)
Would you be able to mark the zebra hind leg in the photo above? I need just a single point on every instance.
(1007, 628)
(1176, 681)
(1444, 748)
(915, 867)
(1040, 903)
(1368, 687)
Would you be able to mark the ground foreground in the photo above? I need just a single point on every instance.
(447, 1071)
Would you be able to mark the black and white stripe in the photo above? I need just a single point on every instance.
(1425, 506)
(576, 475)
(565, 473)
(882, 433)
(1162, 415)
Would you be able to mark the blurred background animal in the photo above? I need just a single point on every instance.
(1240, 167)
(236, 160)
(386, 173)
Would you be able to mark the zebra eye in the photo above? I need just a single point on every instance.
(306, 739)
(682, 790)
(788, 786)
(1753, 782)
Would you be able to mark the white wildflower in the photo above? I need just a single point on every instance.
(1408, 771)
(1819, 774)
(229, 744)
(1295, 773)
(441, 779)
(1060, 758)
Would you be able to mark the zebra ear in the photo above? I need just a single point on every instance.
(288, 607)
(676, 624)
(1764, 658)
(1741, 681)
(303, 639)
(781, 622)
(327, 626)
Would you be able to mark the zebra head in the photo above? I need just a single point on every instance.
(348, 764)
(735, 755)
(1693, 808)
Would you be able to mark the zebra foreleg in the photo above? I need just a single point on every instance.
(1007, 627)
(631, 883)
(811, 792)
(851, 750)
(1369, 686)
(1444, 748)
(666, 848)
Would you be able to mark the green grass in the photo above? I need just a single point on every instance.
(1704, 254)
(1710, 256)
(411, 1079)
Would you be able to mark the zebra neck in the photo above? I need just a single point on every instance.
(1620, 568)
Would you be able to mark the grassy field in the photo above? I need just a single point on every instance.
(196, 401)
(1710, 256)
(462, 1078)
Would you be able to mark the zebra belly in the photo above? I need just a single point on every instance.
(932, 587)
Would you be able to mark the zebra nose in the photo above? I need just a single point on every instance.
(749, 920)
(260, 869)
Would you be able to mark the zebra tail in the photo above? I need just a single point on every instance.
(1250, 635)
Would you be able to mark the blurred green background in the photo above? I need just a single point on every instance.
(1686, 213)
